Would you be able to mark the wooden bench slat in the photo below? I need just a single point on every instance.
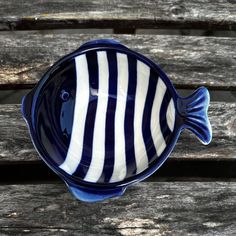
(188, 61)
(179, 208)
(200, 14)
(15, 144)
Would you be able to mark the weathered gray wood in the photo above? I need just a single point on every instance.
(25, 14)
(170, 208)
(42, 232)
(188, 61)
(15, 144)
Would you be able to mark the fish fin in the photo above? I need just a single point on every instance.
(90, 194)
(26, 106)
(100, 42)
(193, 111)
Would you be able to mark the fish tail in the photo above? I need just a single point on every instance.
(193, 111)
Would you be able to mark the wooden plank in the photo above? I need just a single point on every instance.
(169, 208)
(200, 14)
(15, 144)
(188, 61)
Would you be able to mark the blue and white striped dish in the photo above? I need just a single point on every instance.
(105, 117)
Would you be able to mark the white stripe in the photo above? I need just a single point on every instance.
(80, 111)
(157, 135)
(98, 154)
(120, 170)
(143, 73)
(170, 115)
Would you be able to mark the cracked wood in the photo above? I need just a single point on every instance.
(55, 14)
(15, 144)
(167, 208)
(188, 61)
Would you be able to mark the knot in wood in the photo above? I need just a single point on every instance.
(177, 10)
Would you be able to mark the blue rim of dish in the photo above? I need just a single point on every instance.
(33, 98)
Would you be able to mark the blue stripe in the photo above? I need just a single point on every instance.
(163, 122)
(129, 118)
(110, 119)
(146, 125)
(83, 167)
(67, 107)
(62, 109)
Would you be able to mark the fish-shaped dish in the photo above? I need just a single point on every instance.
(105, 117)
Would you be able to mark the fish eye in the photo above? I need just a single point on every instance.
(64, 95)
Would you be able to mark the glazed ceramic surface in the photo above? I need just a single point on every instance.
(105, 117)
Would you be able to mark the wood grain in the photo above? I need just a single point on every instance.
(15, 144)
(188, 61)
(170, 208)
(200, 14)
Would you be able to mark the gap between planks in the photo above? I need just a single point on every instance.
(173, 170)
(190, 159)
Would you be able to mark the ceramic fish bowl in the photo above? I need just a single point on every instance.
(105, 117)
